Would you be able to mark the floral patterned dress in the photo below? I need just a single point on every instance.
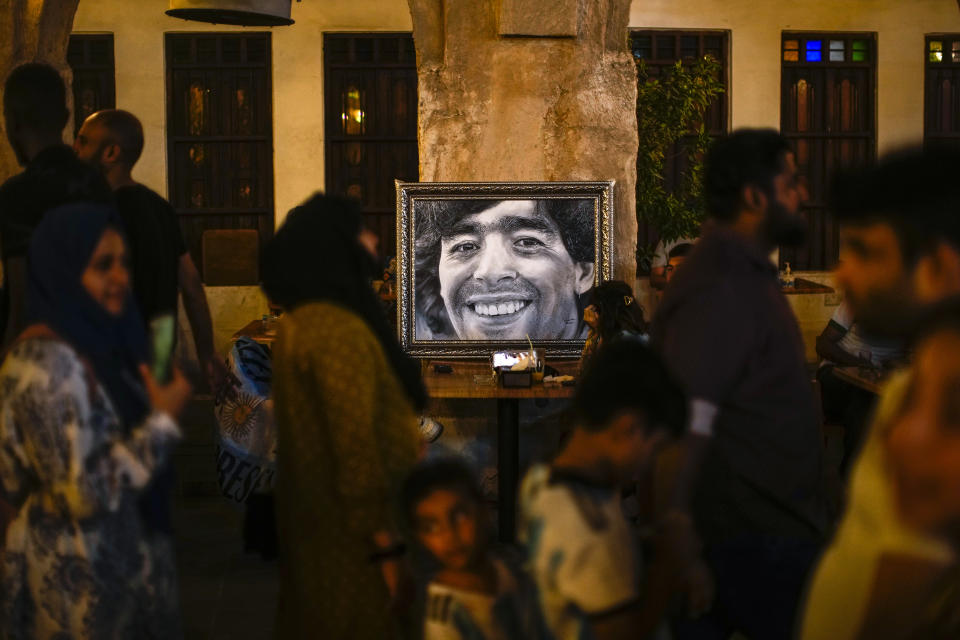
(77, 562)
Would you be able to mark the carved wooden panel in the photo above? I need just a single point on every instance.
(828, 112)
(370, 94)
(220, 135)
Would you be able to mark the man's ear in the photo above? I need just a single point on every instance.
(111, 154)
(754, 199)
(584, 275)
(940, 271)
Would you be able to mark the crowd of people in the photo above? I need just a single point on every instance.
(380, 539)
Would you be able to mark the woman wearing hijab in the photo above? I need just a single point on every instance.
(345, 397)
(83, 427)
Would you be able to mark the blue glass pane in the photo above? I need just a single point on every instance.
(814, 44)
(813, 56)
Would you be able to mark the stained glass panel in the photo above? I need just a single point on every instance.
(837, 50)
(936, 51)
(813, 53)
(859, 51)
(791, 50)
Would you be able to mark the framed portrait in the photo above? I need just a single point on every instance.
(483, 266)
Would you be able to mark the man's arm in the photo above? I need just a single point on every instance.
(16, 283)
(828, 347)
(198, 313)
(708, 359)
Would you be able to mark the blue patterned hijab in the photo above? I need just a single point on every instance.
(114, 347)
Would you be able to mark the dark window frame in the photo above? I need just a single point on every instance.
(81, 56)
(941, 121)
(253, 54)
(831, 149)
(717, 116)
(363, 163)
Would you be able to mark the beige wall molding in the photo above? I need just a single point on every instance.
(486, 116)
(533, 18)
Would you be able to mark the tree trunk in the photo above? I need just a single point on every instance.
(530, 90)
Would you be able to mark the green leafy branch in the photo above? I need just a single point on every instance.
(670, 110)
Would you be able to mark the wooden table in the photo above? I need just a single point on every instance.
(852, 375)
(802, 285)
(264, 332)
(461, 384)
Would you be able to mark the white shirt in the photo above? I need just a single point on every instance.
(457, 614)
(581, 552)
(857, 345)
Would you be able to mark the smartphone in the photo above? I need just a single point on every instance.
(162, 333)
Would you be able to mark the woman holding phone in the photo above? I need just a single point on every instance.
(83, 428)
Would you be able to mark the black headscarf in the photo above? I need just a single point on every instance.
(114, 347)
(315, 256)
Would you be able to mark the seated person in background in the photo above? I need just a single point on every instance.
(675, 258)
(843, 343)
(661, 274)
(473, 594)
(613, 312)
(582, 553)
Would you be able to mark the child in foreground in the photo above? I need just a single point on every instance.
(473, 592)
(581, 551)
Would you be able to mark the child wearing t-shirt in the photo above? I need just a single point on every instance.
(582, 553)
(473, 593)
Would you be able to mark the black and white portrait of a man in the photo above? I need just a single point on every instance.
(502, 269)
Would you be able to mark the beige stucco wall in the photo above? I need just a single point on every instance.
(138, 27)
(755, 25)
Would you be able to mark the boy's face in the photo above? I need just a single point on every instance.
(628, 446)
(923, 444)
(448, 525)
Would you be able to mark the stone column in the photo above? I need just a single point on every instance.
(530, 90)
(32, 31)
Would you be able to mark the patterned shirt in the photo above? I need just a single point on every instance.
(580, 549)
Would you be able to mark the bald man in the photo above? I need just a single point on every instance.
(112, 141)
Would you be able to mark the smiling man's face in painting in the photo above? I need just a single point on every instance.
(505, 273)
